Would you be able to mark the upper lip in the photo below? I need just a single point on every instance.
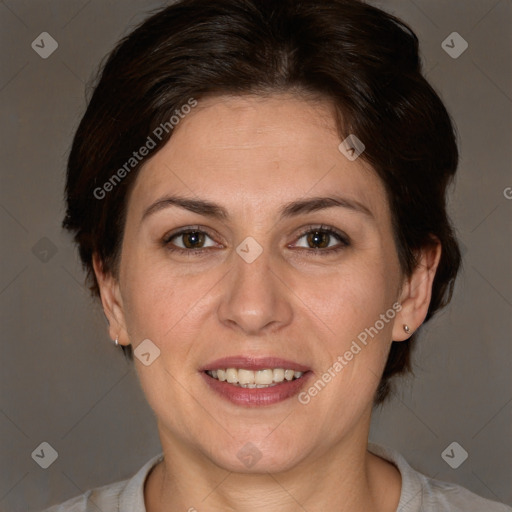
(254, 363)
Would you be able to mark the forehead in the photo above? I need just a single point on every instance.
(259, 151)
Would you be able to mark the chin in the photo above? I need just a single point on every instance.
(259, 456)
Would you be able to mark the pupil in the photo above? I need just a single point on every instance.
(318, 237)
(193, 237)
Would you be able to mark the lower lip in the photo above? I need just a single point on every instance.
(256, 397)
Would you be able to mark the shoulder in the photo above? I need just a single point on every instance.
(446, 496)
(421, 493)
(104, 498)
(126, 495)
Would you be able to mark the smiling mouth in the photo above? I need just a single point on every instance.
(243, 378)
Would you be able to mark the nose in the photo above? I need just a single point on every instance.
(255, 299)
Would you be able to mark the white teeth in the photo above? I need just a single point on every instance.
(278, 375)
(263, 376)
(231, 375)
(254, 379)
(245, 377)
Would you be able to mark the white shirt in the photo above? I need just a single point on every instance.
(419, 492)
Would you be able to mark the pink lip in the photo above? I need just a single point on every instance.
(256, 397)
(254, 363)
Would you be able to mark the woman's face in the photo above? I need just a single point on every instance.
(258, 284)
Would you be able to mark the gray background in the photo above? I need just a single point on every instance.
(63, 381)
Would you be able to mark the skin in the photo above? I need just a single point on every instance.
(252, 155)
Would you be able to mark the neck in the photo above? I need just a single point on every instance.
(344, 478)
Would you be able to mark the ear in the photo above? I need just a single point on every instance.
(417, 291)
(112, 302)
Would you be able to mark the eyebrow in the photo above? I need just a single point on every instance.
(292, 209)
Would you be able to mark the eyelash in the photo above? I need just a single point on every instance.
(345, 241)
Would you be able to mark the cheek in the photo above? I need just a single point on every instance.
(160, 301)
(355, 307)
(349, 300)
(148, 298)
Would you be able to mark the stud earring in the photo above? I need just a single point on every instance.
(407, 329)
(116, 341)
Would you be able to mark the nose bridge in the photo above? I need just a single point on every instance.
(255, 298)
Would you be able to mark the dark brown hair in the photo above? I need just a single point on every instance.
(364, 60)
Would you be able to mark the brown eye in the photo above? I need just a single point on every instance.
(193, 239)
(188, 241)
(318, 238)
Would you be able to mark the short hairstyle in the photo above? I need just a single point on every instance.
(359, 57)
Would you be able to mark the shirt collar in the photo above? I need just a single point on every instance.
(131, 498)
